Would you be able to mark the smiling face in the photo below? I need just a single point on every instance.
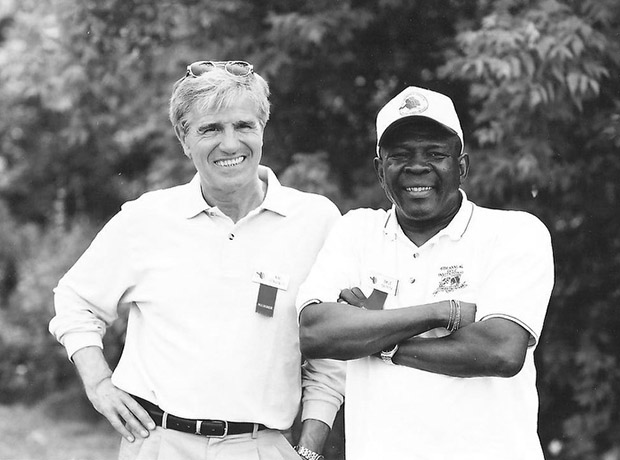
(225, 146)
(420, 171)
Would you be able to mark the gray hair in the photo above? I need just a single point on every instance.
(214, 90)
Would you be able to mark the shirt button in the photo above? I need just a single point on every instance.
(416, 255)
(231, 236)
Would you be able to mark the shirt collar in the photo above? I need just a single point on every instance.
(275, 198)
(193, 202)
(455, 229)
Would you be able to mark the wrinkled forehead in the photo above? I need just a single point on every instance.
(215, 103)
(220, 109)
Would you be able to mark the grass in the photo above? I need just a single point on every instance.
(35, 433)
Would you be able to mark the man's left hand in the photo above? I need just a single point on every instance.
(356, 297)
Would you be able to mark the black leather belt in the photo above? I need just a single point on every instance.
(210, 428)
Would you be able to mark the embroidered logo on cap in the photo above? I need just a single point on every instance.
(414, 103)
(450, 279)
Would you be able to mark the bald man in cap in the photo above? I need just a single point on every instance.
(436, 304)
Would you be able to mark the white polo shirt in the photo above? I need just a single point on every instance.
(195, 344)
(500, 260)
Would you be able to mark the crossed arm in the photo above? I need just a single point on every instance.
(494, 347)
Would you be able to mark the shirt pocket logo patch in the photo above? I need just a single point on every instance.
(450, 279)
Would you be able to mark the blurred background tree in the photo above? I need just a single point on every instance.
(84, 88)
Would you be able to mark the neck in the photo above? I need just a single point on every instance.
(420, 231)
(420, 234)
(238, 202)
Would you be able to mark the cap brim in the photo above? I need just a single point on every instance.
(402, 121)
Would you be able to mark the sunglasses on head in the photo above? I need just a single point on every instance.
(236, 68)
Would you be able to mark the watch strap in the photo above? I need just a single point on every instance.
(387, 355)
(308, 454)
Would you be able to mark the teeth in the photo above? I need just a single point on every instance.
(231, 162)
(419, 189)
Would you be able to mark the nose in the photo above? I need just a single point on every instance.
(417, 165)
(230, 141)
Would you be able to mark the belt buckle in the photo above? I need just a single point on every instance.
(212, 428)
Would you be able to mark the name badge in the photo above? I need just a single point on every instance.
(271, 279)
(384, 283)
(381, 287)
(269, 283)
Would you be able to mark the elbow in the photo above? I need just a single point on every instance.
(508, 365)
(312, 339)
(319, 338)
(310, 344)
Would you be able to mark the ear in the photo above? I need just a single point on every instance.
(463, 166)
(378, 164)
(181, 136)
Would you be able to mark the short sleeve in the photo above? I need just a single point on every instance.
(520, 275)
(336, 265)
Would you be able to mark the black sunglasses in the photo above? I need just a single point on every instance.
(236, 68)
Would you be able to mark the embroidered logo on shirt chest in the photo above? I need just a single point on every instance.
(450, 279)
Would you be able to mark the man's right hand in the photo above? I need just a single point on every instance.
(122, 411)
(468, 313)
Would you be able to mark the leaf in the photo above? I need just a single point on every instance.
(572, 80)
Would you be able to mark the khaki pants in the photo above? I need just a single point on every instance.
(174, 445)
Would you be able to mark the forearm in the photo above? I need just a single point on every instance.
(91, 366)
(488, 348)
(341, 331)
(314, 433)
(121, 410)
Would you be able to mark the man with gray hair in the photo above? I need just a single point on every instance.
(209, 270)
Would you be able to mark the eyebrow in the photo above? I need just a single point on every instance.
(219, 125)
(240, 123)
(209, 126)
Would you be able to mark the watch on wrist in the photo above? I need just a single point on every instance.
(307, 454)
(387, 355)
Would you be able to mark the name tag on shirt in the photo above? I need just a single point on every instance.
(269, 283)
(384, 283)
(382, 286)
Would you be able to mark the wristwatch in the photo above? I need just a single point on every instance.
(387, 355)
(307, 454)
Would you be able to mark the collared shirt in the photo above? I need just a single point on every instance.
(501, 261)
(195, 344)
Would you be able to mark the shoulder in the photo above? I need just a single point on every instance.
(366, 216)
(297, 201)
(155, 201)
(363, 221)
(520, 225)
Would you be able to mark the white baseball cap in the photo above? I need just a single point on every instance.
(419, 102)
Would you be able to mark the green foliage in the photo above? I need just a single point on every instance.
(83, 97)
(82, 112)
(548, 60)
(32, 363)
